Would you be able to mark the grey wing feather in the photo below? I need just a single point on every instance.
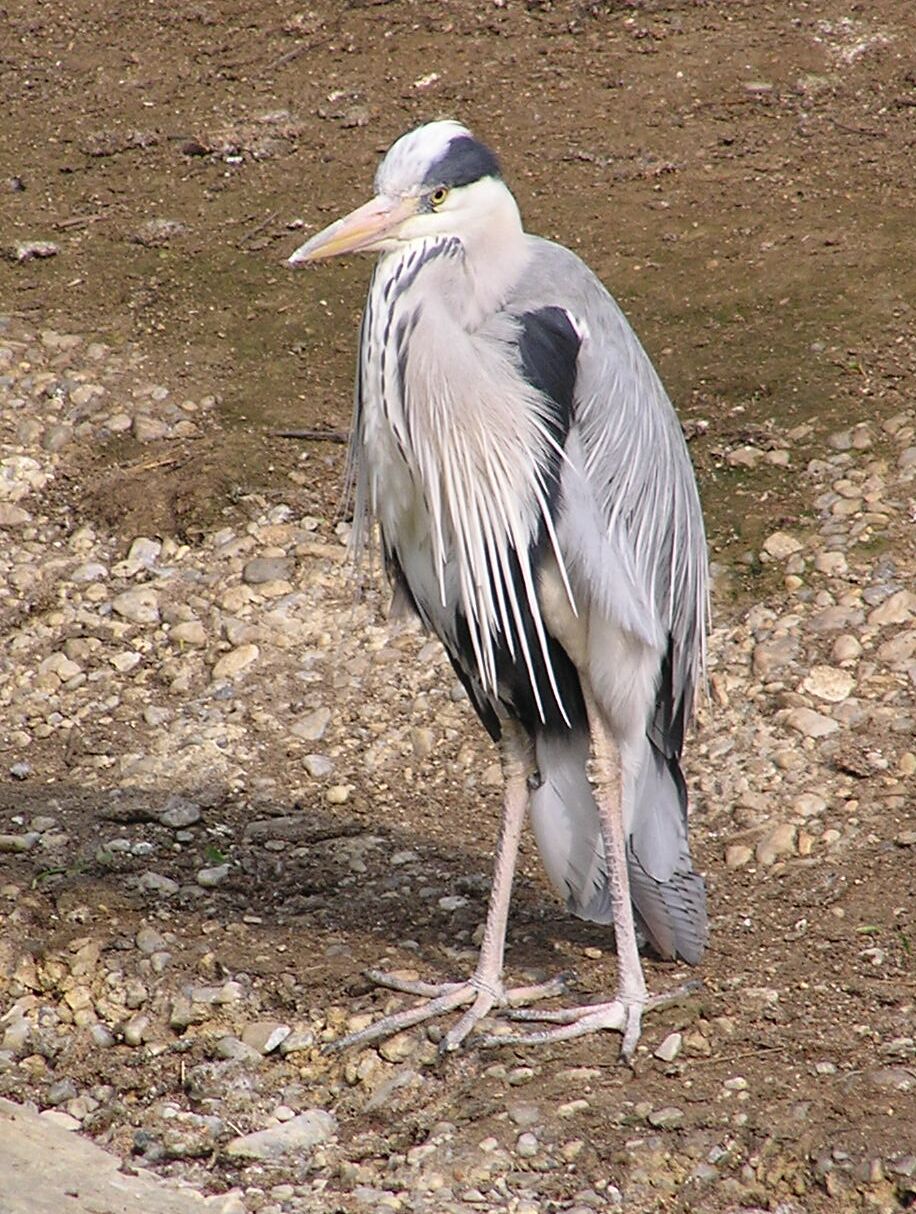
(640, 483)
(636, 459)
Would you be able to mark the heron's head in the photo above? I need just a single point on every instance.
(435, 181)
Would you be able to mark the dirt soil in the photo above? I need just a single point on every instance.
(741, 175)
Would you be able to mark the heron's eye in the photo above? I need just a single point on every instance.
(437, 197)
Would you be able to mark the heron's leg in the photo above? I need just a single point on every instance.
(518, 765)
(607, 777)
(623, 1014)
(484, 990)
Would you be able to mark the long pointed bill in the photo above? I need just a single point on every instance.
(364, 229)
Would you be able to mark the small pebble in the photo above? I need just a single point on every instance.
(398, 1047)
(265, 1036)
(148, 940)
(527, 1145)
(780, 545)
(312, 726)
(670, 1047)
(180, 813)
(810, 723)
(737, 855)
(209, 878)
(234, 662)
(136, 1029)
(139, 606)
(828, 683)
(780, 841)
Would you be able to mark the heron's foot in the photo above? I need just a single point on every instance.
(482, 993)
(621, 1015)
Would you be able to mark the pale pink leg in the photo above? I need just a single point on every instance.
(484, 990)
(623, 1014)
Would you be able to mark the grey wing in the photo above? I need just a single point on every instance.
(635, 484)
(637, 469)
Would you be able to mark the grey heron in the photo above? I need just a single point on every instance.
(538, 511)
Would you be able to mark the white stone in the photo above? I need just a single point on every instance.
(833, 564)
(527, 1145)
(452, 902)
(810, 723)
(318, 766)
(13, 516)
(210, 877)
(312, 726)
(144, 551)
(772, 657)
(809, 805)
(59, 664)
(828, 683)
(265, 1036)
(846, 648)
(19, 476)
(300, 1134)
(781, 545)
(670, 1047)
(235, 661)
(188, 632)
(89, 571)
(899, 648)
(898, 608)
(125, 661)
(139, 606)
(148, 429)
(737, 855)
(780, 841)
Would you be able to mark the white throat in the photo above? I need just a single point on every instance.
(487, 252)
(496, 250)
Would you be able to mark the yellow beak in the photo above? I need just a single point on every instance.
(367, 229)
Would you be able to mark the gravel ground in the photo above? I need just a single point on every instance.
(227, 787)
(224, 788)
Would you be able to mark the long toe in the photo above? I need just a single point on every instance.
(570, 1023)
(620, 1015)
(482, 992)
(453, 995)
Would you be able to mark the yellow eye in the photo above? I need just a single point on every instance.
(437, 197)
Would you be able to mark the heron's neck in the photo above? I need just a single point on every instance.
(496, 252)
(471, 271)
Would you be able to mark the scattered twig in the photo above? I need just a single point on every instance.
(856, 130)
(80, 221)
(265, 223)
(314, 436)
(294, 54)
(754, 1053)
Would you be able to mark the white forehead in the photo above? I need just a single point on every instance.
(408, 160)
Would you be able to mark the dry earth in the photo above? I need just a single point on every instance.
(228, 787)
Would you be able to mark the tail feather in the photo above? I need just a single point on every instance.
(564, 818)
(668, 895)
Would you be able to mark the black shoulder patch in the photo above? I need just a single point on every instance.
(549, 349)
(464, 160)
